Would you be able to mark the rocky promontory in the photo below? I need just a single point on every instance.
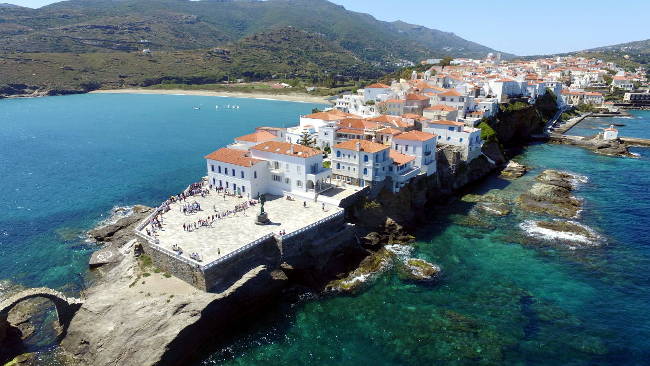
(596, 144)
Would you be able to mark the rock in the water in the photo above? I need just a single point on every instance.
(552, 195)
(368, 269)
(415, 269)
(514, 170)
(570, 234)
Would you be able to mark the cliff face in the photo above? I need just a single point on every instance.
(517, 120)
(406, 206)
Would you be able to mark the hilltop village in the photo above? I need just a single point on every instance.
(380, 139)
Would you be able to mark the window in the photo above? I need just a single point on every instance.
(365, 171)
(338, 165)
(227, 185)
(243, 188)
(277, 178)
(225, 170)
(396, 146)
(220, 183)
(219, 169)
(338, 153)
(406, 148)
(255, 174)
(448, 138)
(276, 165)
(299, 183)
(451, 128)
(287, 181)
(242, 174)
(234, 186)
(365, 158)
(233, 172)
(439, 137)
(212, 168)
(461, 139)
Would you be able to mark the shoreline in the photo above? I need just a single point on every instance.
(299, 98)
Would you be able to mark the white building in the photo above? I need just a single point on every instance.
(377, 92)
(457, 134)
(610, 133)
(360, 162)
(356, 104)
(402, 169)
(421, 145)
(272, 167)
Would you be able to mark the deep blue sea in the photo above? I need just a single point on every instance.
(503, 299)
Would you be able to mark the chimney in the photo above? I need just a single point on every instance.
(358, 145)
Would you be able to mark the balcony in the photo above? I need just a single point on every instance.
(407, 174)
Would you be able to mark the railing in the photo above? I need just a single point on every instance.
(309, 227)
(236, 252)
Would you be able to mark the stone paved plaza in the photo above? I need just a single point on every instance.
(237, 230)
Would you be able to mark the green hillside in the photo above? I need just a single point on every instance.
(100, 42)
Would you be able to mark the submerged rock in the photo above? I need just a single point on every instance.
(495, 209)
(514, 170)
(492, 196)
(415, 269)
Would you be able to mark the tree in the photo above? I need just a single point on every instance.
(315, 110)
(306, 139)
(446, 61)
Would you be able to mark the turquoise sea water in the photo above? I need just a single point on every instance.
(504, 299)
(65, 162)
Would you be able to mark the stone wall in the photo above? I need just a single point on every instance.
(224, 274)
(186, 272)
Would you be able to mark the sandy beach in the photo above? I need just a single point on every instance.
(297, 97)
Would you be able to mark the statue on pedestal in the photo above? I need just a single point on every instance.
(263, 217)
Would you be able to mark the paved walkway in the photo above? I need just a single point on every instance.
(229, 234)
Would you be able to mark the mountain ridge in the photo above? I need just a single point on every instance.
(101, 25)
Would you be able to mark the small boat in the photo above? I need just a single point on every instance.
(216, 107)
(196, 108)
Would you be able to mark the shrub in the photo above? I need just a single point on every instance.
(488, 134)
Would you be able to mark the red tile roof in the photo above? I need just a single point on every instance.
(286, 148)
(361, 145)
(233, 156)
(378, 86)
(399, 158)
(260, 136)
(415, 136)
(332, 115)
(448, 123)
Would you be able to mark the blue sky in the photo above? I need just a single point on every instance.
(521, 27)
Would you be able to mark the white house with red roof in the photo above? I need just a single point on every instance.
(420, 145)
(622, 82)
(402, 170)
(272, 167)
